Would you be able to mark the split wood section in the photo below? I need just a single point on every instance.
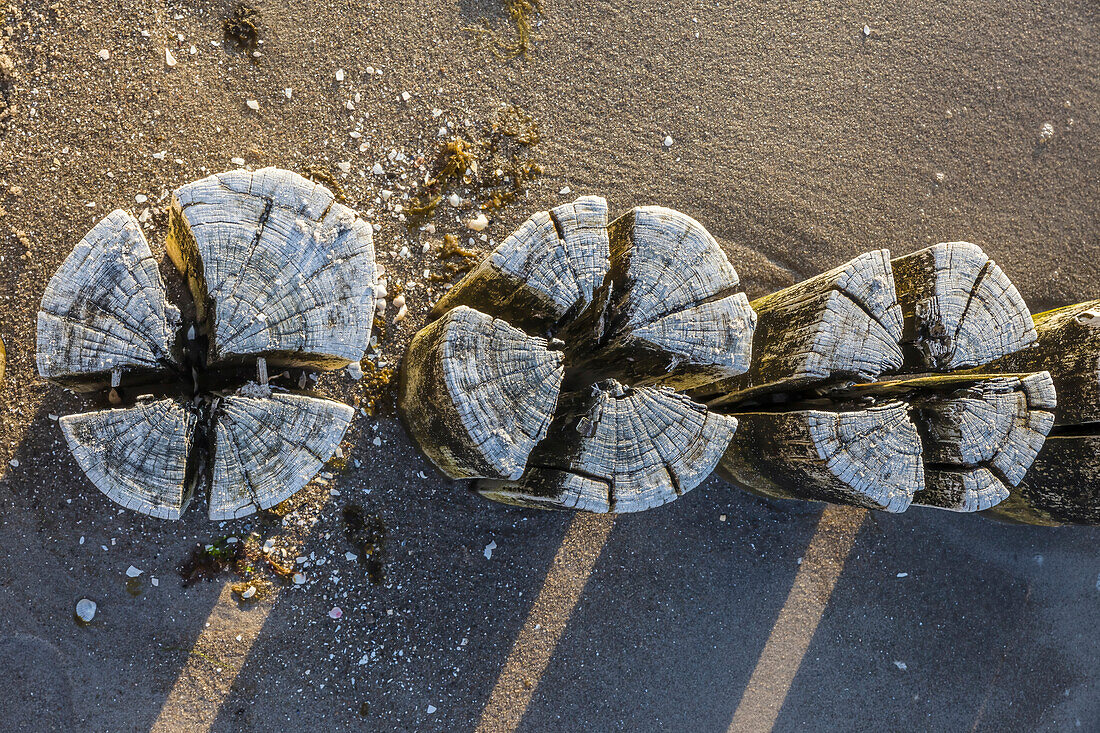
(280, 273)
(1063, 485)
(881, 383)
(550, 369)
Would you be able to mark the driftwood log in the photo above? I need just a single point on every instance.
(105, 310)
(280, 273)
(549, 370)
(1063, 485)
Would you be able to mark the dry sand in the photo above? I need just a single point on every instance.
(799, 140)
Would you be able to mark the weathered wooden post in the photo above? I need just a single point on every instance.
(1063, 485)
(550, 371)
(827, 410)
(280, 273)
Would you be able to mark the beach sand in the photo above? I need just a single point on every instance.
(801, 135)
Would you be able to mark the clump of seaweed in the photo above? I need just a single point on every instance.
(496, 163)
(520, 12)
(323, 175)
(378, 388)
(242, 27)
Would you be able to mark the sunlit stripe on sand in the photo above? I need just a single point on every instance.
(207, 678)
(798, 619)
(533, 647)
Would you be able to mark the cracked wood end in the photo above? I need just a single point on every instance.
(869, 458)
(619, 449)
(267, 448)
(548, 269)
(137, 456)
(276, 267)
(478, 394)
(105, 309)
(981, 440)
(844, 323)
(675, 316)
(960, 308)
(1068, 346)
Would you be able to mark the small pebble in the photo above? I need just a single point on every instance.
(565, 191)
(141, 198)
(355, 371)
(237, 161)
(901, 665)
(253, 105)
(104, 54)
(289, 93)
(339, 75)
(405, 96)
(269, 544)
(488, 551)
(132, 572)
(169, 58)
(249, 592)
(402, 312)
(377, 169)
(335, 612)
(299, 579)
(454, 200)
(866, 31)
(479, 223)
(431, 709)
(344, 166)
(85, 610)
(668, 141)
(1046, 132)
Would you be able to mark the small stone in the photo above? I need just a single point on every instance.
(132, 572)
(169, 58)
(401, 314)
(269, 544)
(141, 198)
(488, 551)
(85, 610)
(479, 223)
(249, 592)
(253, 105)
(866, 30)
(668, 141)
(1046, 132)
(237, 161)
(565, 191)
(940, 177)
(431, 709)
(454, 200)
(377, 169)
(350, 556)
(335, 612)
(405, 96)
(901, 665)
(299, 579)
(339, 75)
(104, 54)
(377, 441)
(289, 93)
(721, 517)
(355, 371)
(155, 582)
(399, 301)
(14, 462)
(344, 166)
(903, 575)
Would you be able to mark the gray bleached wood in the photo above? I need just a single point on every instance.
(869, 457)
(137, 456)
(842, 324)
(980, 440)
(547, 271)
(618, 449)
(276, 267)
(1068, 346)
(478, 394)
(674, 315)
(960, 308)
(268, 446)
(105, 309)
